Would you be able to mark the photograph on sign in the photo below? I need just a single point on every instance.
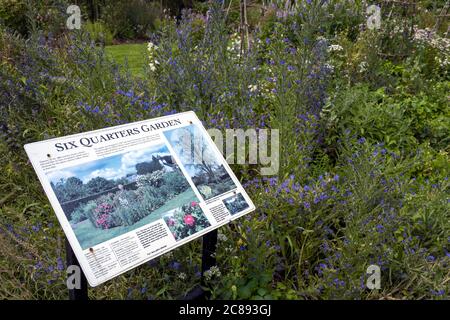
(108, 197)
(127, 194)
(203, 165)
(235, 204)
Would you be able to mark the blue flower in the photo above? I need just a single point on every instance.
(438, 293)
(59, 264)
(175, 265)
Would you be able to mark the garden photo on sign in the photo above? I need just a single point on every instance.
(186, 220)
(200, 161)
(235, 204)
(108, 197)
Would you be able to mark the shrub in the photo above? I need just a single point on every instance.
(175, 181)
(99, 184)
(27, 17)
(99, 32)
(83, 212)
(100, 216)
(133, 19)
(13, 15)
(154, 179)
(148, 167)
(129, 215)
(152, 198)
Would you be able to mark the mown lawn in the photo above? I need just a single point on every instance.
(131, 54)
(89, 236)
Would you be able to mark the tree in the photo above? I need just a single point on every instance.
(148, 167)
(195, 149)
(99, 184)
(74, 188)
(58, 188)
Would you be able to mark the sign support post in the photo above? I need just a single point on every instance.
(82, 292)
(208, 252)
(208, 260)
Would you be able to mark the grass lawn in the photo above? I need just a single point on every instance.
(133, 53)
(89, 236)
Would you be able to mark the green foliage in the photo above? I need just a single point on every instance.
(99, 32)
(83, 211)
(70, 189)
(152, 179)
(399, 121)
(363, 117)
(13, 15)
(126, 207)
(370, 114)
(26, 17)
(131, 20)
(99, 184)
(175, 181)
(148, 167)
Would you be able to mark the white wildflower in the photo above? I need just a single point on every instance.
(222, 237)
(152, 48)
(253, 87)
(182, 276)
(363, 66)
(214, 271)
(330, 67)
(335, 47)
(234, 45)
(123, 202)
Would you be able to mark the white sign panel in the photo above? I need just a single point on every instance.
(127, 194)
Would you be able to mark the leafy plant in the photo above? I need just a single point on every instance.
(99, 32)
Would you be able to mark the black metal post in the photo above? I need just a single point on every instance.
(208, 260)
(71, 259)
(208, 251)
